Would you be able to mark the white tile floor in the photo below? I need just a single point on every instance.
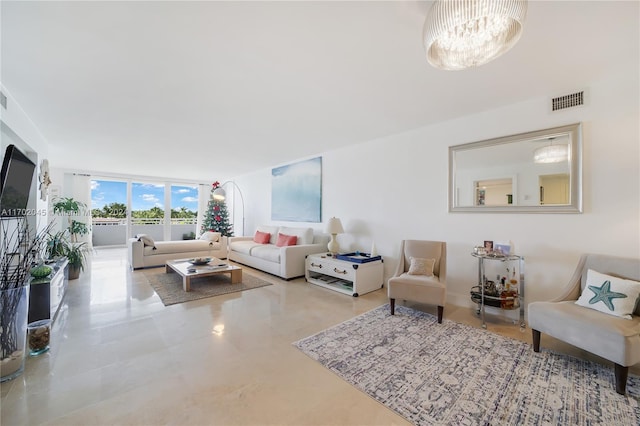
(119, 356)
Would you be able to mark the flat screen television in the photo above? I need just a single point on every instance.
(15, 182)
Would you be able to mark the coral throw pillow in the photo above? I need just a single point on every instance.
(286, 240)
(262, 237)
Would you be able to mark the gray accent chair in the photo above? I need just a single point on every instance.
(430, 290)
(613, 338)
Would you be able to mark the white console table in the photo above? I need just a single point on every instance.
(345, 277)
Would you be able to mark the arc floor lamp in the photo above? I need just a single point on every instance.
(220, 194)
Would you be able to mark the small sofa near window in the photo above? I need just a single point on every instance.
(144, 252)
(610, 337)
(264, 254)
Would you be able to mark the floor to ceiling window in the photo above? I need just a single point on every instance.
(124, 208)
(109, 212)
(184, 211)
(147, 209)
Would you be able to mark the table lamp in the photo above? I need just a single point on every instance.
(334, 227)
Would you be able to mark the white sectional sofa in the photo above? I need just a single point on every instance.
(143, 252)
(286, 261)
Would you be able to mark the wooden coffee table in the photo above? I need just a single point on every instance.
(214, 267)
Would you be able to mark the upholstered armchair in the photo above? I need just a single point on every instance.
(611, 337)
(421, 275)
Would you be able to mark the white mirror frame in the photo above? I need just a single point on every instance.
(573, 131)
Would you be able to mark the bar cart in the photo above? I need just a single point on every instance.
(507, 292)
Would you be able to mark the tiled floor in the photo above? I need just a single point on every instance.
(119, 356)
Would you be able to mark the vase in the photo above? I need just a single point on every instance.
(14, 307)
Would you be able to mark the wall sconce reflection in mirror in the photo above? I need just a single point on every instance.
(534, 172)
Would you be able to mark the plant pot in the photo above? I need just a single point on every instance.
(14, 307)
(74, 272)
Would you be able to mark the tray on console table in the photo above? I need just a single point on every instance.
(344, 276)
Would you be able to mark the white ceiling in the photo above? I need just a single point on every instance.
(211, 90)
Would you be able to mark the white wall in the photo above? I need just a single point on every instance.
(396, 188)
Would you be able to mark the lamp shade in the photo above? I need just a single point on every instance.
(461, 34)
(219, 194)
(334, 226)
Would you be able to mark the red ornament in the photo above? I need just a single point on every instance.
(216, 208)
(218, 218)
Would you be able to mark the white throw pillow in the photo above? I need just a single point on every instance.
(146, 240)
(211, 236)
(608, 294)
(421, 266)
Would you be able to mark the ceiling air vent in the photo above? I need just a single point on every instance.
(567, 101)
(3, 100)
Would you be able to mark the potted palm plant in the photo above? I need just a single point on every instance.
(75, 253)
(72, 209)
(72, 249)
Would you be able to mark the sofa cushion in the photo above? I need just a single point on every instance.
(609, 294)
(211, 236)
(305, 235)
(146, 240)
(286, 240)
(244, 246)
(181, 246)
(266, 252)
(262, 237)
(273, 230)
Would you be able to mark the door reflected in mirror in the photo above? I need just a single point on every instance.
(538, 171)
(554, 189)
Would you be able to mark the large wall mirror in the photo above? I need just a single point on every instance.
(535, 172)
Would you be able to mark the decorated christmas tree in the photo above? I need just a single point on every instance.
(216, 218)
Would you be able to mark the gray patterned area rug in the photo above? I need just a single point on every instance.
(454, 374)
(169, 286)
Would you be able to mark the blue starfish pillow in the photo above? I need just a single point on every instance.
(611, 295)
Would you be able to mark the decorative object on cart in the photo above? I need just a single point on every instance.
(501, 248)
(460, 34)
(509, 162)
(296, 192)
(73, 210)
(216, 218)
(334, 227)
(451, 373)
(506, 292)
(430, 288)
(488, 246)
(20, 247)
(587, 328)
(220, 194)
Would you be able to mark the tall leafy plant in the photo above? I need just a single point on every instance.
(20, 246)
(73, 209)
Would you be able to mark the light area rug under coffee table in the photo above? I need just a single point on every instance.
(215, 267)
(454, 374)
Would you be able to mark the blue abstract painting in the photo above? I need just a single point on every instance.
(296, 191)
